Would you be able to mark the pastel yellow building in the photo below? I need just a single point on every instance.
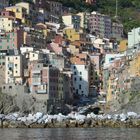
(29, 11)
(6, 24)
(123, 45)
(71, 34)
(13, 69)
(20, 12)
(25, 5)
(74, 49)
(72, 21)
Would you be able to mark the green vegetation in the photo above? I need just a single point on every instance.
(128, 10)
(11, 2)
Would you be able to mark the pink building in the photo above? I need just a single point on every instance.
(100, 24)
(11, 40)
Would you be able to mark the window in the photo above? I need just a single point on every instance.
(80, 79)
(16, 71)
(17, 10)
(79, 86)
(53, 88)
(16, 57)
(80, 73)
(74, 67)
(33, 55)
(75, 73)
(75, 79)
(15, 65)
(10, 87)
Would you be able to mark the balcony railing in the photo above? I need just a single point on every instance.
(36, 81)
(42, 91)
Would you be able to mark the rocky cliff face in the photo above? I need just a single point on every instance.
(125, 102)
(24, 103)
(132, 105)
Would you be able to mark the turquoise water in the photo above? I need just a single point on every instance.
(70, 134)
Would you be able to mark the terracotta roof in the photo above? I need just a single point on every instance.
(79, 59)
(41, 25)
(82, 55)
(76, 43)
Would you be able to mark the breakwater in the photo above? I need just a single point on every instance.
(40, 120)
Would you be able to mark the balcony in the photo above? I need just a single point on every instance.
(36, 81)
(41, 91)
(36, 71)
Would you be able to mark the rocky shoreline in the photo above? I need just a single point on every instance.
(40, 120)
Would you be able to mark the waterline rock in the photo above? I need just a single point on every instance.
(74, 119)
